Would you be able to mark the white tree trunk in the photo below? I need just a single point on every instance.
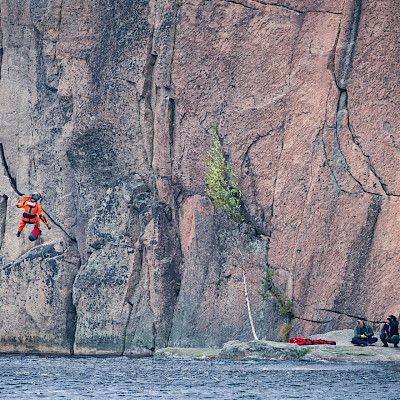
(248, 306)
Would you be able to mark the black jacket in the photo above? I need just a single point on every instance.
(394, 328)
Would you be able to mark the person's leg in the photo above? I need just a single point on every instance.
(37, 222)
(359, 342)
(355, 341)
(383, 339)
(21, 226)
(395, 340)
(372, 340)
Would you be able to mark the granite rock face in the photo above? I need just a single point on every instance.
(105, 109)
(36, 305)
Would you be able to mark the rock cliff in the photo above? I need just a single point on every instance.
(105, 109)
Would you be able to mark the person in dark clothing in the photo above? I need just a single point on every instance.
(363, 334)
(390, 332)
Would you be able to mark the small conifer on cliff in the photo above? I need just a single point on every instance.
(221, 184)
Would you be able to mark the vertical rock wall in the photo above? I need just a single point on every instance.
(105, 108)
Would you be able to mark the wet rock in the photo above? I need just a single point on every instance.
(188, 353)
(262, 350)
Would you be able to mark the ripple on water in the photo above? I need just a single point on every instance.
(28, 377)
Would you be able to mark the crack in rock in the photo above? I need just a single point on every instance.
(349, 52)
(342, 105)
(340, 158)
(3, 216)
(71, 322)
(373, 170)
(332, 173)
(358, 258)
(241, 4)
(58, 225)
(13, 184)
(249, 4)
(176, 18)
(295, 42)
(7, 173)
(147, 99)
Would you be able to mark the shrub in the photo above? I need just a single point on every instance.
(285, 307)
(221, 184)
(284, 331)
(269, 290)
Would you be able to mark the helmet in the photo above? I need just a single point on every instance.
(36, 196)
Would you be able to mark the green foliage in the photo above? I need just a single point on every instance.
(285, 307)
(267, 286)
(284, 331)
(221, 184)
(269, 290)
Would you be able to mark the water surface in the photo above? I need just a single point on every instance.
(34, 377)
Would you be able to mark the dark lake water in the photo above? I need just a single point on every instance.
(31, 377)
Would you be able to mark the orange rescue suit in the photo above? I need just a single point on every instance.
(33, 213)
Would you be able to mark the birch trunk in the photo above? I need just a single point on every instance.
(248, 307)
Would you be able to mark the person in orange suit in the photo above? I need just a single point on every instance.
(33, 212)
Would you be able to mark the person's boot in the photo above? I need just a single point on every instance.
(385, 345)
(396, 346)
(18, 234)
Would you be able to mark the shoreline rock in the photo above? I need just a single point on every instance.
(262, 350)
(269, 350)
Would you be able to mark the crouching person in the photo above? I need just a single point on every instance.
(390, 332)
(363, 334)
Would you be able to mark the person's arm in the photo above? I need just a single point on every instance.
(369, 332)
(22, 202)
(395, 328)
(42, 217)
(385, 329)
(364, 332)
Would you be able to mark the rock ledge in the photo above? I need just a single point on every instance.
(268, 350)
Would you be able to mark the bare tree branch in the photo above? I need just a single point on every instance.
(311, 320)
(351, 316)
